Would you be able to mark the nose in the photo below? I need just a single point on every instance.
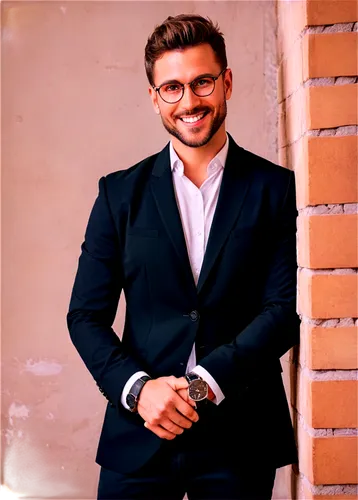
(189, 99)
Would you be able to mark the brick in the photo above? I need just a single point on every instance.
(318, 107)
(334, 497)
(330, 54)
(327, 295)
(335, 460)
(321, 12)
(309, 495)
(328, 241)
(326, 170)
(334, 404)
(329, 348)
(336, 159)
(332, 106)
(317, 56)
(328, 460)
(328, 404)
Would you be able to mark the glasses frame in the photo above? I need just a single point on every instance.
(190, 84)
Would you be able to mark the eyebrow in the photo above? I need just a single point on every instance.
(177, 81)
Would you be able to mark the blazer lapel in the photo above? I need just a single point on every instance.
(233, 190)
(164, 195)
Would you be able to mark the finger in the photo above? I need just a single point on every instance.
(191, 402)
(177, 383)
(185, 409)
(171, 426)
(159, 431)
(183, 393)
(179, 420)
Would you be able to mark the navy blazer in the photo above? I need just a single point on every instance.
(241, 315)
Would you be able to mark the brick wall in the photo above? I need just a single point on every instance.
(317, 42)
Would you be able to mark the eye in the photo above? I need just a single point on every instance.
(171, 88)
(202, 82)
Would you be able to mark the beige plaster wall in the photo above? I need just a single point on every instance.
(75, 107)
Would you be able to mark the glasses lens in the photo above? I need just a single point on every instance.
(203, 86)
(171, 92)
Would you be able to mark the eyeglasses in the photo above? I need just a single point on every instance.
(203, 86)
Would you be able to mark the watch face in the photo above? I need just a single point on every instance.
(198, 390)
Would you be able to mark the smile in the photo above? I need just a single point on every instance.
(193, 119)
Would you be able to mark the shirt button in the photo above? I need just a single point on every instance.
(194, 315)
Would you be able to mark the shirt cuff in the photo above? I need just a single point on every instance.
(205, 375)
(128, 386)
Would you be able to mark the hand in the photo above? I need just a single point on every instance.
(183, 393)
(165, 412)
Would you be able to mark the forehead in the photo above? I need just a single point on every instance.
(185, 65)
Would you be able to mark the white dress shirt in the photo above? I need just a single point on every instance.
(196, 207)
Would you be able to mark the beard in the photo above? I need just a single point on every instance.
(214, 126)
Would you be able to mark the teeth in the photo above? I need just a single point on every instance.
(192, 119)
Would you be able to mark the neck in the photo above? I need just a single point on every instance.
(197, 159)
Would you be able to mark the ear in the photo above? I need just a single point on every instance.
(154, 98)
(228, 83)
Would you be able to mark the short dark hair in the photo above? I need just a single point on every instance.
(180, 32)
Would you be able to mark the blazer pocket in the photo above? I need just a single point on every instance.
(143, 232)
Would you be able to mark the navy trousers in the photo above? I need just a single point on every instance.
(201, 474)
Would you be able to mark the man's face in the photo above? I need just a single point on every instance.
(184, 66)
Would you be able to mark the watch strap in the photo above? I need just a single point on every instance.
(134, 392)
(191, 376)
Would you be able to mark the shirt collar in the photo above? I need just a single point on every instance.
(216, 163)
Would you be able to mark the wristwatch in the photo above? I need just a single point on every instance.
(198, 389)
(133, 395)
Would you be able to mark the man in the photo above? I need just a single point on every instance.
(201, 237)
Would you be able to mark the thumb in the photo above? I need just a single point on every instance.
(177, 383)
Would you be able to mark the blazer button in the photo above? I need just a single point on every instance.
(194, 315)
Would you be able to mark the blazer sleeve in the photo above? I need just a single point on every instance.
(276, 328)
(94, 302)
